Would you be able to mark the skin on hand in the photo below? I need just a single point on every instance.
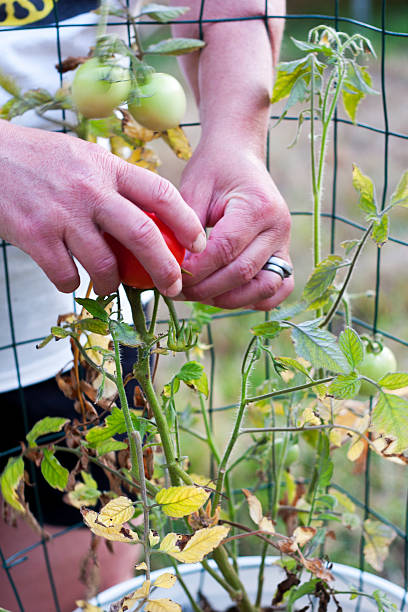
(226, 181)
(60, 193)
(232, 192)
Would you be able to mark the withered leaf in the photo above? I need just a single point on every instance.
(284, 586)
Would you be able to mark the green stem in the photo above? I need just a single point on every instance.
(346, 282)
(209, 439)
(154, 313)
(246, 369)
(125, 407)
(242, 600)
(289, 390)
(143, 492)
(173, 313)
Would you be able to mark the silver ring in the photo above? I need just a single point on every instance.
(279, 266)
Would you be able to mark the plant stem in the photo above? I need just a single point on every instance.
(246, 369)
(287, 391)
(143, 493)
(125, 407)
(339, 298)
(154, 313)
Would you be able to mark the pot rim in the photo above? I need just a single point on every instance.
(338, 569)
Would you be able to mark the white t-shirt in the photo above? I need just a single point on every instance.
(29, 302)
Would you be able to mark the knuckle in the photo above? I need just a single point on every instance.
(246, 270)
(66, 282)
(162, 190)
(143, 233)
(225, 250)
(105, 267)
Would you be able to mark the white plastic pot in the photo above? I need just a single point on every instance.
(198, 580)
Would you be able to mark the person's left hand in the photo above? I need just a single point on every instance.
(232, 192)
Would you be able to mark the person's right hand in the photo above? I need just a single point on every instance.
(59, 193)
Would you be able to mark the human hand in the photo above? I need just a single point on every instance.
(231, 191)
(60, 193)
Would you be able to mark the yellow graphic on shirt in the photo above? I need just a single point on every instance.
(23, 12)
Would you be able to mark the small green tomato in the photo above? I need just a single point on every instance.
(378, 361)
(99, 87)
(162, 105)
(292, 452)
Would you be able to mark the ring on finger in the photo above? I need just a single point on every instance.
(279, 266)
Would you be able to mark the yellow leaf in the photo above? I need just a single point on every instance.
(87, 607)
(154, 538)
(141, 566)
(302, 535)
(355, 450)
(202, 481)
(335, 437)
(191, 549)
(116, 512)
(162, 605)
(134, 130)
(177, 140)
(309, 418)
(141, 592)
(145, 158)
(117, 533)
(266, 524)
(165, 581)
(377, 540)
(255, 508)
(180, 501)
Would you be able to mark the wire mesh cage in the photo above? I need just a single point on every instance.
(377, 142)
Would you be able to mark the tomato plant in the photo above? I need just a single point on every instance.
(98, 87)
(162, 103)
(131, 271)
(378, 361)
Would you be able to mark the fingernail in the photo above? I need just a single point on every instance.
(174, 289)
(199, 243)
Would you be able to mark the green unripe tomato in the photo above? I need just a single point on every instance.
(377, 362)
(292, 452)
(162, 105)
(98, 87)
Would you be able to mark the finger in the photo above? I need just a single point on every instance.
(282, 293)
(58, 265)
(137, 232)
(236, 274)
(88, 246)
(229, 237)
(155, 194)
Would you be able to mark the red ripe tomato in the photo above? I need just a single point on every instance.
(131, 271)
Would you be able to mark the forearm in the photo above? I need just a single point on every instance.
(232, 76)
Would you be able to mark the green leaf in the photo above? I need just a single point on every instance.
(107, 446)
(192, 370)
(44, 342)
(390, 417)
(398, 380)
(162, 13)
(287, 312)
(296, 593)
(268, 329)
(312, 47)
(352, 347)
(345, 387)
(364, 186)
(321, 278)
(325, 465)
(288, 362)
(383, 603)
(59, 332)
(10, 478)
(9, 84)
(352, 96)
(175, 46)
(125, 334)
(349, 245)
(318, 346)
(54, 473)
(94, 307)
(95, 326)
(286, 79)
(114, 424)
(400, 195)
(45, 426)
(380, 230)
